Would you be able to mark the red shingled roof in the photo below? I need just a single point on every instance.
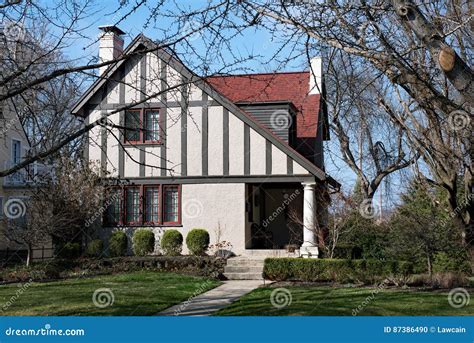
(291, 86)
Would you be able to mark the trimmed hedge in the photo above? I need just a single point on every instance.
(95, 248)
(197, 241)
(64, 269)
(172, 242)
(118, 244)
(338, 270)
(143, 242)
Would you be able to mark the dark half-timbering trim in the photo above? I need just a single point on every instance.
(184, 129)
(289, 165)
(103, 144)
(205, 136)
(163, 117)
(268, 157)
(86, 137)
(143, 73)
(155, 104)
(223, 179)
(121, 152)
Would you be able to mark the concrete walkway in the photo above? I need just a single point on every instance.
(213, 300)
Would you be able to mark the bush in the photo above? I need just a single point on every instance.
(172, 242)
(118, 244)
(143, 242)
(95, 248)
(197, 241)
(444, 263)
(338, 270)
(69, 251)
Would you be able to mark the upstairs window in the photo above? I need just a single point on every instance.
(133, 126)
(142, 126)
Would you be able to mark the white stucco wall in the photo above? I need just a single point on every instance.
(194, 140)
(236, 145)
(215, 140)
(257, 153)
(132, 81)
(153, 74)
(278, 161)
(131, 168)
(152, 159)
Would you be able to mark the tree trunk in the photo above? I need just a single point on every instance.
(430, 268)
(30, 255)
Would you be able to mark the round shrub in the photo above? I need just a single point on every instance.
(69, 251)
(143, 242)
(197, 241)
(118, 244)
(172, 242)
(95, 248)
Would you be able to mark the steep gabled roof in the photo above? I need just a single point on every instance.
(147, 44)
(260, 88)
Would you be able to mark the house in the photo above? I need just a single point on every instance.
(240, 156)
(15, 188)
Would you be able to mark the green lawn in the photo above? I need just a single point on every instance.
(135, 294)
(328, 301)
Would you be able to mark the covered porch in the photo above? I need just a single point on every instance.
(281, 219)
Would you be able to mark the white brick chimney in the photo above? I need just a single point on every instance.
(110, 44)
(316, 76)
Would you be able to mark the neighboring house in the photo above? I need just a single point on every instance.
(240, 156)
(16, 187)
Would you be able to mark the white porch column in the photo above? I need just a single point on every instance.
(309, 249)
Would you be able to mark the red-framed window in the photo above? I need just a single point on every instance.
(132, 206)
(142, 126)
(113, 215)
(144, 205)
(171, 204)
(152, 204)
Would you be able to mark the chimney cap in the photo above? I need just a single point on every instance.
(111, 28)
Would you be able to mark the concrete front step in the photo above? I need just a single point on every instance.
(242, 269)
(244, 276)
(264, 253)
(241, 262)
